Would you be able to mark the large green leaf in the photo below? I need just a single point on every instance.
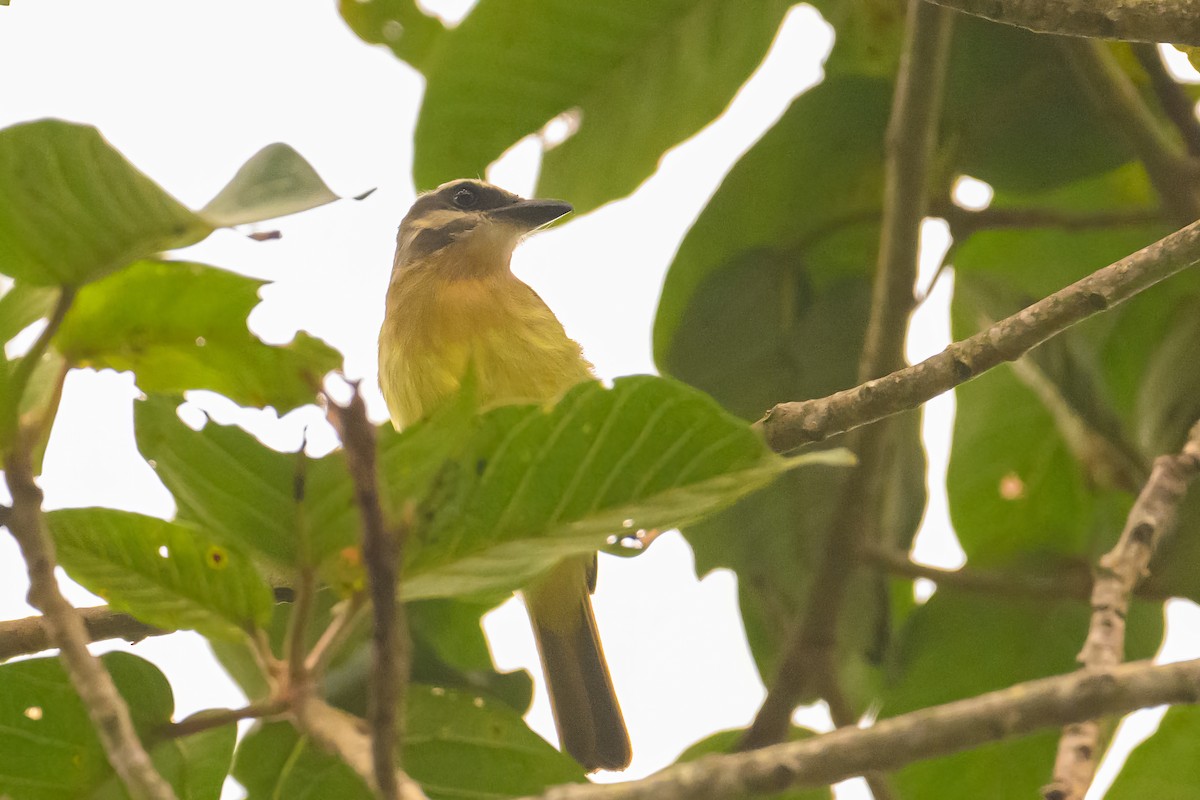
(1041, 449)
(1163, 766)
(49, 749)
(180, 326)
(961, 645)
(73, 209)
(1014, 113)
(529, 486)
(166, 574)
(641, 77)
(284, 507)
(456, 746)
(767, 301)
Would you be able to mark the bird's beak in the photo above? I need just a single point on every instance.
(530, 214)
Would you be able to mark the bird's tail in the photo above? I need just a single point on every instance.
(586, 713)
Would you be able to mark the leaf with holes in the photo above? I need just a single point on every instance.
(180, 326)
(525, 486)
(164, 574)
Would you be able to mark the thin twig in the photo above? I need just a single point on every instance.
(105, 707)
(1116, 98)
(808, 663)
(1119, 572)
(220, 717)
(382, 548)
(1065, 584)
(1132, 20)
(1178, 107)
(791, 425)
(896, 742)
(20, 637)
(335, 633)
(964, 222)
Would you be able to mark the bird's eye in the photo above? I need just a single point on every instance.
(465, 198)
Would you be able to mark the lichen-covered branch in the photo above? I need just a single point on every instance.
(1120, 570)
(916, 736)
(1176, 21)
(791, 425)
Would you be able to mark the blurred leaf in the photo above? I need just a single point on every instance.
(456, 746)
(73, 209)
(728, 741)
(641, 77)
(273, 762)
(1163, 765)
(961, 645)
(529, 487)
(164, 574)
(397, 24)
(21, 306)
(180, 326)
(48, 747)
(1014, 115)
(449, 650)
(803, 234)
(1038, 448)
(275, 182)
(196, 766)
(767, 301)
(285, 507)
(459, 746)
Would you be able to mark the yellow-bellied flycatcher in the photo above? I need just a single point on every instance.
(453, 301)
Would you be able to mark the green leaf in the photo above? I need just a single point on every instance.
(164, 574)
(459, 747)
(397, 24)
(787, 239)
(274, 762)
(1020, 639)
(531, 486)
(275, 182)
(1014, 114)
(728, 741)
(21, 306)
(456, 746)
(767, 301)
(283, 507)
(195, 766)
(48, 747)
(180, 326)
(1163, 765)
(73, 209)
(642, 78)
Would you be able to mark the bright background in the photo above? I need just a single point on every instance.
(189, 91)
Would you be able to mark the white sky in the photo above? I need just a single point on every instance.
(189, 91)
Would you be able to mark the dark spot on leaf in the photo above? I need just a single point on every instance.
(480, 466)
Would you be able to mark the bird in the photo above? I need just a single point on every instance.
(453, 305)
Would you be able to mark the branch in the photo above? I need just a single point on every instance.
(382, 549)
(220, 717)
(916, 736)
(1120, 570)
(963, 222)
(1065, 584)
(65, 628)
(1121, 105)
(807, 663)
(1175, 21)
(1178, 107)
(20, 637)
(791, 425)
(342, 734)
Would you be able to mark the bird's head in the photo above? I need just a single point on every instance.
(468, 228)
